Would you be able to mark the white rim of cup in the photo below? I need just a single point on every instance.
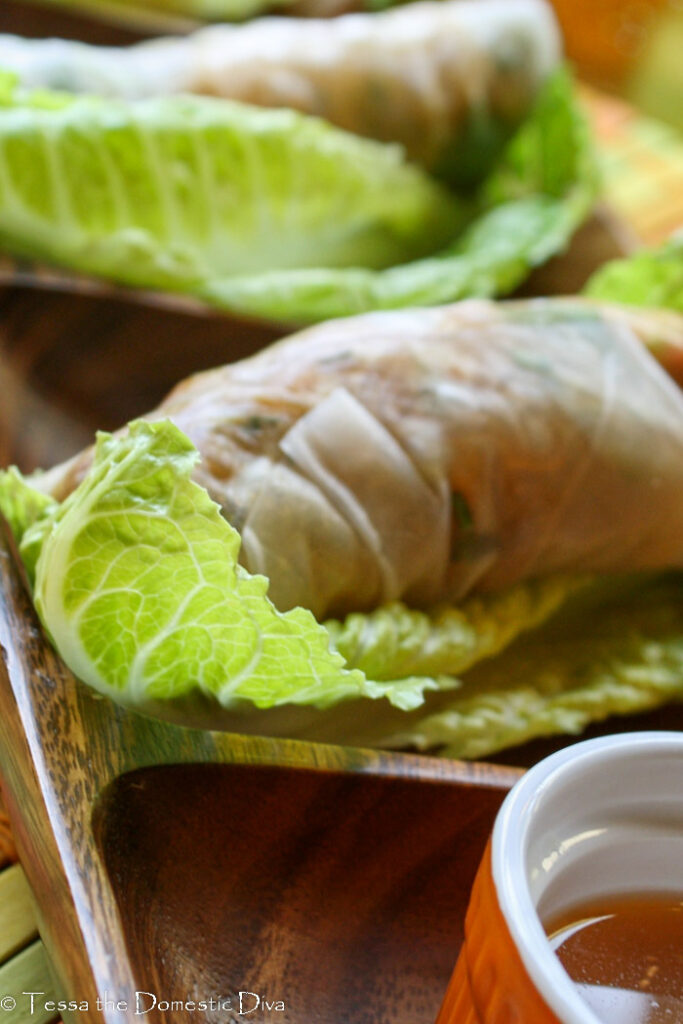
(508, 862)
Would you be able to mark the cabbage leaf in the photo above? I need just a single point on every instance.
(169, 192)
(273, 214)
(651, 277)
(619, 655)
(396, 641)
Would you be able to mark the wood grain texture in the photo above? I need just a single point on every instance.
(8, 852)
(332, 879)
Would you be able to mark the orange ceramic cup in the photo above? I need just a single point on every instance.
(603, 817)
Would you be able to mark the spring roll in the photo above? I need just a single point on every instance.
(428, 454)
(448, 80)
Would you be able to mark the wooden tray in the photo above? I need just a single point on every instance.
(194, 865)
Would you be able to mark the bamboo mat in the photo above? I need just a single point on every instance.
(642, 164)
(23, 963)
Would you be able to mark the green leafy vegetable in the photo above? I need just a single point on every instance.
(278, 215)
(396, 641)
(537, 196)
(22, 504)
(137, 582)
(653, 277)
(620, 655)
(27, 510)
(170, 192)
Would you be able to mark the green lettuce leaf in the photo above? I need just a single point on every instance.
(170, 192)
(137, 583)
(395, 641)
(529, 207)
(277, 215)
(653, 277)
(21, 502)
(620, 654)
(27, 511)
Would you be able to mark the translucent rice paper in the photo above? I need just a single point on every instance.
(427, 454)
(448, 80)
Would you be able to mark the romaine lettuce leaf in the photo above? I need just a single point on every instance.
(652, 277)
(273, 214)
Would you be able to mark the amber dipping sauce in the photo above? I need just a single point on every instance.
(625, 954)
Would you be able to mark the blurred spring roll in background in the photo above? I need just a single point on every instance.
(457, 483)
(450, 81)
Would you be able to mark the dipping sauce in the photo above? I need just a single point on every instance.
(625, 954)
